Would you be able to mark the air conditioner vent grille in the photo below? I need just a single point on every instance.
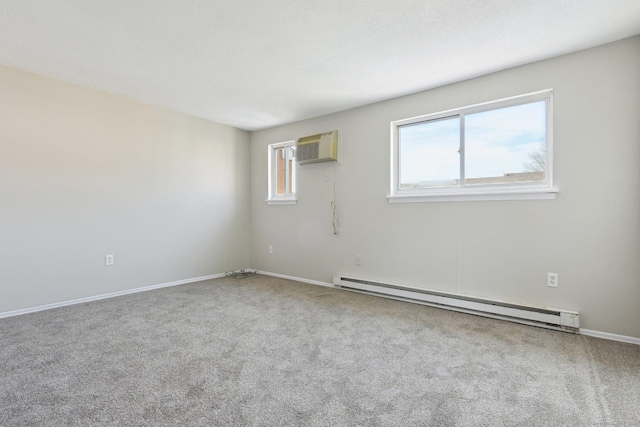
(307, 151)
(317, 148)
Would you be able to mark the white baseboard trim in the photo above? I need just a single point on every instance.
(588, 332)
(608, 336)
(109, 295)
(297, 279)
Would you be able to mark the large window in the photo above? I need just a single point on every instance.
(497, 150)
(282, 173)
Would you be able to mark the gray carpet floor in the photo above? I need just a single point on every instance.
(265, 351)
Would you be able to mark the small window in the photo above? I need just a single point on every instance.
(494, 151)
(282, 173)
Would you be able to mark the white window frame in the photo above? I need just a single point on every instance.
(272, 197)
(521, 191)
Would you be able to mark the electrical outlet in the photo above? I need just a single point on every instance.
(552, 280)
(358, 259)
(270, 249)
(108, 259)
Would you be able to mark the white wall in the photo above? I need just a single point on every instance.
(589, 235)
(85, 173)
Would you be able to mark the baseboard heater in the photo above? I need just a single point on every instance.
(552, 318)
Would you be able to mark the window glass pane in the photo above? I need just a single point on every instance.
(291, 159)
(280, 170)
(506, 145)
(429, 154)
(285, 158)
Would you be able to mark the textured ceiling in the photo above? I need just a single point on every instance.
(258, 64)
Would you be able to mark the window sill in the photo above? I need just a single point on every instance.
(476, 196)
(281, 201)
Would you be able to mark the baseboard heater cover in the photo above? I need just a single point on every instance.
(552, 318)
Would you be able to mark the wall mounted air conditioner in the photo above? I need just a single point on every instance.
(317, 148)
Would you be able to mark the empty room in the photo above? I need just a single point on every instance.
(412, 213)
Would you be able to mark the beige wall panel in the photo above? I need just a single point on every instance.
(84, 173)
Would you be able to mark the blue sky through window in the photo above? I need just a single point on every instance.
(502, 141)
(497, 142)
(429, 152)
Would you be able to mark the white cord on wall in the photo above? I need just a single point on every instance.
(334, 205)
